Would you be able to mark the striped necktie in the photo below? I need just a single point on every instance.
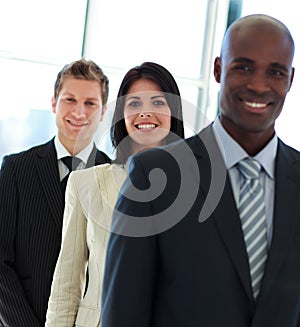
(253, 220)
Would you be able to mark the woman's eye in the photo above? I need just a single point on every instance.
(134, 104)
(70, 99)
(159, 103)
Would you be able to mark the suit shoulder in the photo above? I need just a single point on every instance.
(181, 148)
(26, 155)
(149, 153)
(288, 150)
(101, 177)
(85, 174)
(102, 157)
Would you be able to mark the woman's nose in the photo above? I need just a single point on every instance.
(145, 114)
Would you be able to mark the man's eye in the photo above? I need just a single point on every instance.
(70, 99)
(277, 73)
(91, 103)
(243, 67)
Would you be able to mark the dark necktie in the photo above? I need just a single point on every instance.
(72, 163)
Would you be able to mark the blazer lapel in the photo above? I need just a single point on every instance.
(221, 205)
(286, 210)
(47, 168)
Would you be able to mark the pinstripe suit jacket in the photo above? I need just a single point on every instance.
(31, 213)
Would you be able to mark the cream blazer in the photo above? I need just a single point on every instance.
(90, 198)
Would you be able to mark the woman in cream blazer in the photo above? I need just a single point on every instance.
(148, 113)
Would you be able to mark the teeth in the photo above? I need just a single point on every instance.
(77, 124)
(256, 104)
(146, 126)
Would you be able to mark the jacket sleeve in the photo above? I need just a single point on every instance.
(70, 272)
(14, 308)
(130, 268)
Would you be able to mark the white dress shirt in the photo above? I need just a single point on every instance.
(232, 153)
(63, 152)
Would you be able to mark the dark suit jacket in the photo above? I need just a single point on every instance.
(197, 273)
(31, 214)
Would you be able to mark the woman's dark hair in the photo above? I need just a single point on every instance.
(168, 85)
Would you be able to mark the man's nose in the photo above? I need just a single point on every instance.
(79, 110)
(259, 83)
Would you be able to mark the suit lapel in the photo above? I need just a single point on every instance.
(96, 158)
(286, 210)
(47, 168)
(221, 204)
(225, 215)
(92, 158)
(229, 227)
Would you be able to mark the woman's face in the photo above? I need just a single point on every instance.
(147, 114)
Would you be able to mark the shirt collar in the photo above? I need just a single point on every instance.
(63, 152)
(232, 152)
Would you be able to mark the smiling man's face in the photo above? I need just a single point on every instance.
(78, 110)
(255, 73)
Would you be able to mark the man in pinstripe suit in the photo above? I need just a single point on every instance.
(32, 199)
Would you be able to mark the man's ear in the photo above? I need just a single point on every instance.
(217, 69)
(292, 77)
(53, 104)
(103, 111)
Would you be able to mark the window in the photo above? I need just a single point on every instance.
(37, 38)
(42, 36)
(180, 36)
